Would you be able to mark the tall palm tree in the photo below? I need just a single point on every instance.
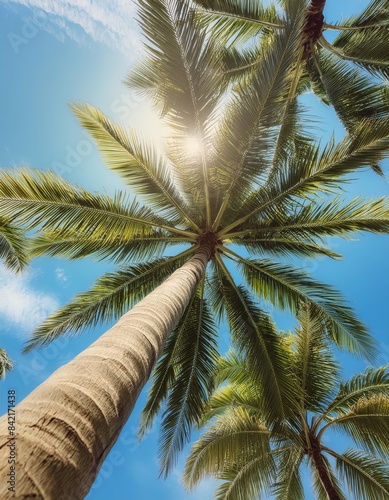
(248, 185)
(254, 454)
(342, 73)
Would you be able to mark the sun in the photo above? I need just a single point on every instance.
(193, 146)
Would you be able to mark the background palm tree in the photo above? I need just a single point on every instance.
(13, 253)
(245, 187)
(345, 73)
(5, 363)
(254, 454)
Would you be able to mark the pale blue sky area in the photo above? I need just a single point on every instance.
(53, 53)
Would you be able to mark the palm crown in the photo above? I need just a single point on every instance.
(256, 455)
(345, 73)
(249, 195)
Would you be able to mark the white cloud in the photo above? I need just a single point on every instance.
(110, 23)
(22, 307)
(61, 275)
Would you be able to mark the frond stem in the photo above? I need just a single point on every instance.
(192, 236)
(334, 27)
(243, 18)
(325, 44)
(353, 464)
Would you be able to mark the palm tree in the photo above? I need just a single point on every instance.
(248, 185)
(14, 255)
(256, 454)
(5, 363)
(339, 72)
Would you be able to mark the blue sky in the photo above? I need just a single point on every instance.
(54, 52)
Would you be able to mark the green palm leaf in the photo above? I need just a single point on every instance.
(284, 246)
(233, 435)
(311, 169)
(43, 198)
(254, 335)
(118, 248)
(235, 396)
(177, 48)
(286, 287)
(6, 364)
(288, 485)
(193, 360)
(363, 98)
(244, 481)
(12, 245)
(314, 364)
(333, 218)
(366, 476)
(164, 372)
(367, 423)
(238, 21)
(142, 167)
(246, 135)
(367, 47)
(369, 383)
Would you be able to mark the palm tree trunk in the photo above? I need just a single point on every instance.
(313, 27)
(322, 469)
(66, 427)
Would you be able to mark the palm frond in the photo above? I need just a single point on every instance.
(6, 364)
(239, 65)
(286, 287)
(177, 48)
(162, 377)
(246, 395)
(314, 363)
(118, 248)
(314, 220)
(193, 363)
(254, 334)
(269, 244)
(36, 198)
(144, 169)
(368, 47)
(13, 245)
(371, 382)
(246, 480)
(112, 295)
(366, 475)
(238, 22)
(367, 423)
(246, 135)
(353, 95)
(288, 485)
(311, 169)
(232, 441)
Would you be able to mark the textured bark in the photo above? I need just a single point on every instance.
(322, 469)
(313, 27)
(67, 426)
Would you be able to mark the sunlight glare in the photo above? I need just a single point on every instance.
(193, 146)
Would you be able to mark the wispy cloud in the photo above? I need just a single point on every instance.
(110, 23)
(61, 275)
(22, 307)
